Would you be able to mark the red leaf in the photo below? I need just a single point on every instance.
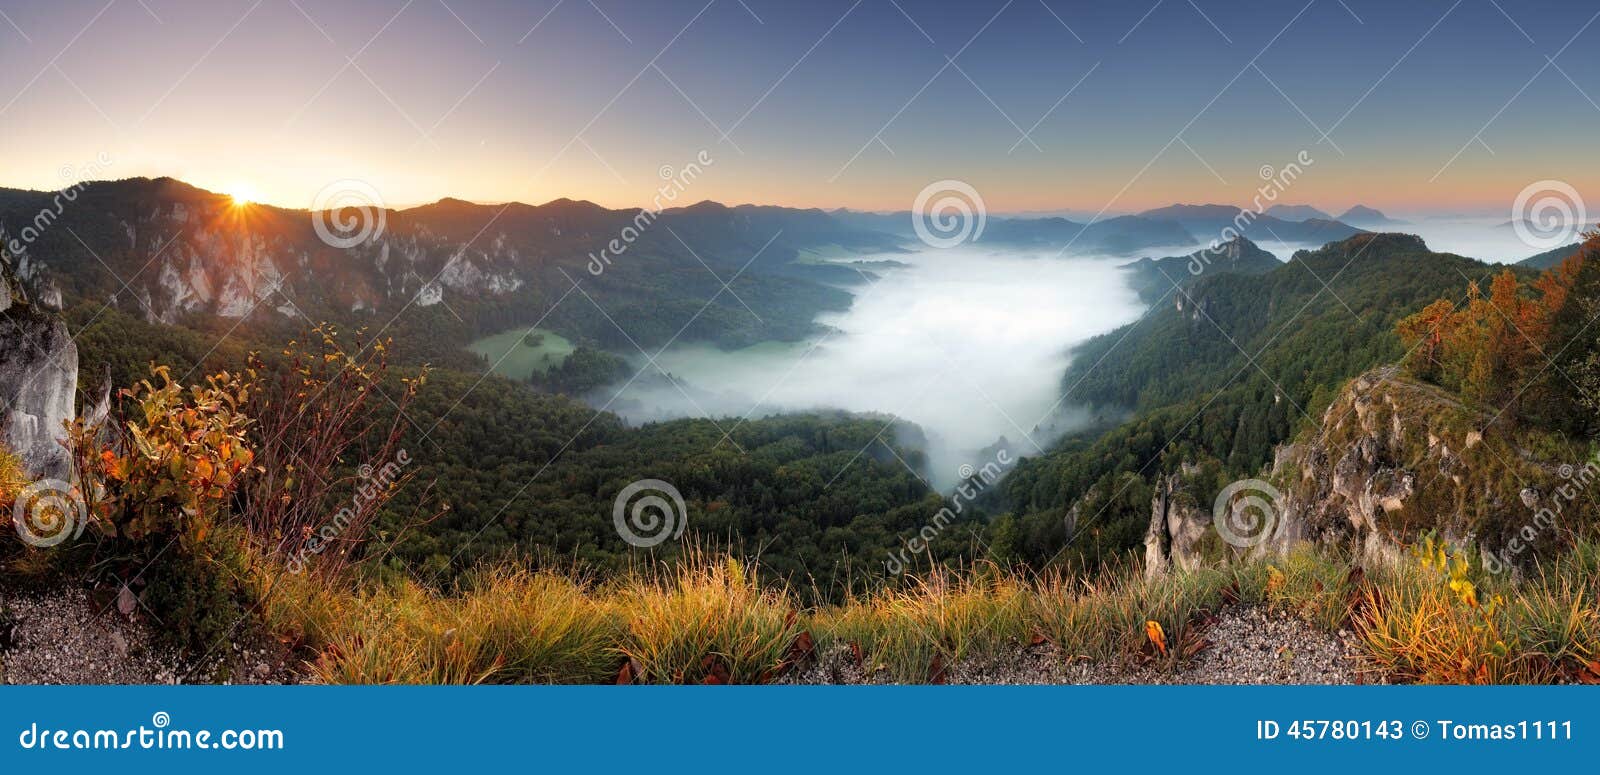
(1592, 675)
(716, 672)
(802, 648)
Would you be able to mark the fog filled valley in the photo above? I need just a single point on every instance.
(967, 344)
(963, 348)
(709, 342)
(842, 405)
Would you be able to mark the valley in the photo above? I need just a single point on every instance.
(821, 397)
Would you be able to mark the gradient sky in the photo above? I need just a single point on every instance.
(1432, 105)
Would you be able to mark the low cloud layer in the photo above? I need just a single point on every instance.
(968, 343)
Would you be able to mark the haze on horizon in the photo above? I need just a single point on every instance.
(1039, 105)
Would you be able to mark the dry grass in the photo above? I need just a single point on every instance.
(704, 621)
(914, 633)
(508, 626)
(1424, 623)
(709, 620)
(698, 622)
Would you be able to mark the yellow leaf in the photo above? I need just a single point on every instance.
(1157, 636)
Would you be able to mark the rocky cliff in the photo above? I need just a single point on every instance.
(38, 381)
(1391, 459)
(170, 251)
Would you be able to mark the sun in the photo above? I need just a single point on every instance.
(242, 194)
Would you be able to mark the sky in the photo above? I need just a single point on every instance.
(1039, 105)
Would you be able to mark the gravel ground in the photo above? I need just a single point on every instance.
(1254, 647)
(1248, 646)
(61, 637)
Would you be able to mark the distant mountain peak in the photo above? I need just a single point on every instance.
(572, 206)
(1237, 244)
(1383, 241)
(1179, 210)
(1154, 278)
(1298, 213)
(1361, 215)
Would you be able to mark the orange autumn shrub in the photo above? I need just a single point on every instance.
(171, 465)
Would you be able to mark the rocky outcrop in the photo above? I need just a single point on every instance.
(1353, 482)
(1393, 458)
(1177, 526)
(38, 382)
(1396, 458)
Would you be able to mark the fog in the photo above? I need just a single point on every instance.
(969, 343)
(1484, 238)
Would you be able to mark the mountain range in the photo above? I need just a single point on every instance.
(169, 252)
(1216, 221)
(1250, 366)
(1156, 277)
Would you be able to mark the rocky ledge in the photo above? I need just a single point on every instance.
(1392, 458)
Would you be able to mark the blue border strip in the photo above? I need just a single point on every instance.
(804, 729)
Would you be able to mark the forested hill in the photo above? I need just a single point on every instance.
(1155, 278)
(173, 253)
(1223, 370)
(1550, 257)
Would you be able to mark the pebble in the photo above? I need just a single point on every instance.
(59, 637)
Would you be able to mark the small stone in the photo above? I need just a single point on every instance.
(126, 602)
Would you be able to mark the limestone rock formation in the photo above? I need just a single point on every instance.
(1177, 525)
(38, 383)
(1393, 458)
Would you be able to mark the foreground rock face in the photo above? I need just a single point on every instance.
(38, 383)
(1394, 458)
